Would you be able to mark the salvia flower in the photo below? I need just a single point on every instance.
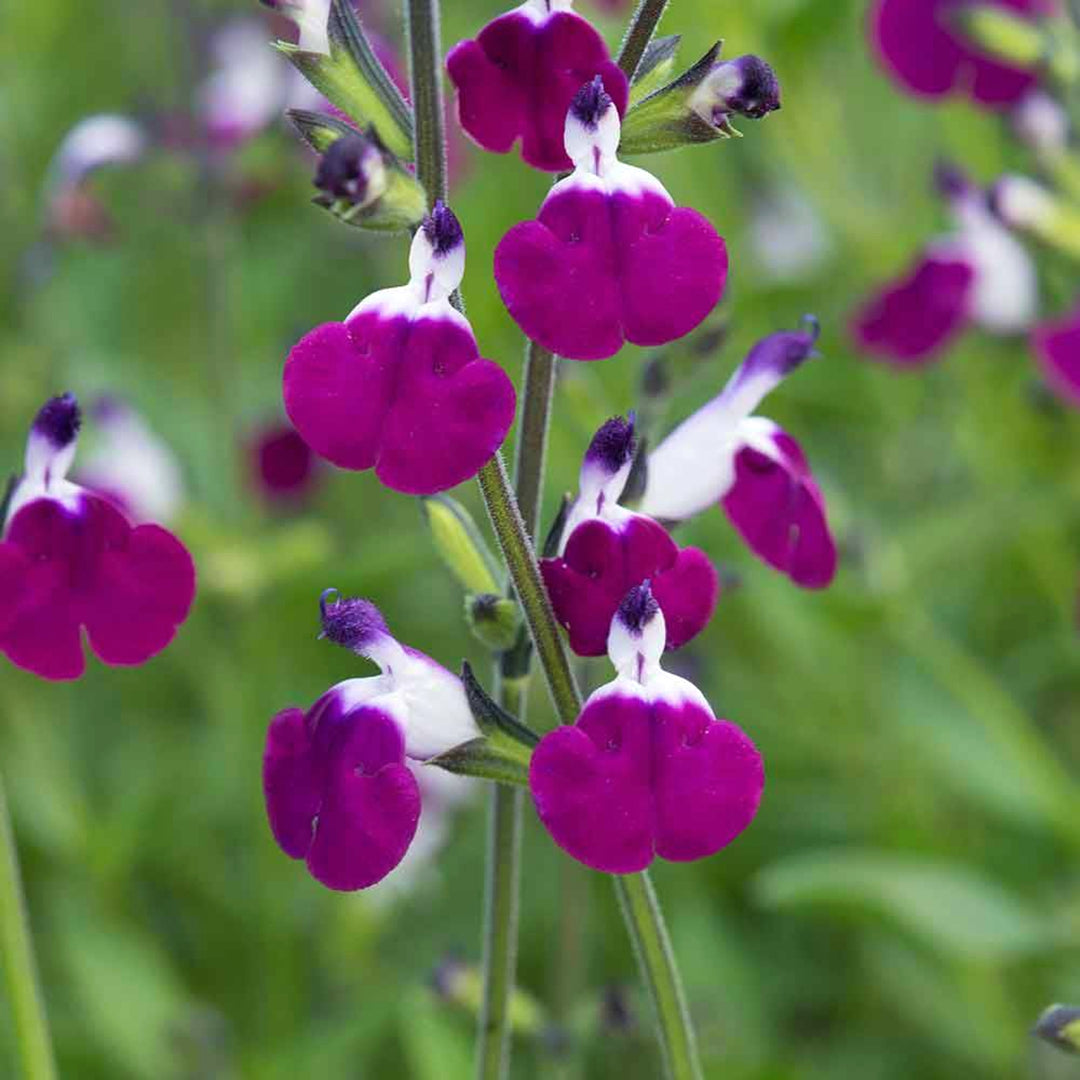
(925, 54)
(517, 78)
(70, 559)
(131, 464)
(399, 386)
(339, 792)
(1057, 350)
(647, 769)
(752, 467)
(978, 274)
(283, 467)
(352, 169)
(311, 17)
(745, 86)
(606, 550)
(610, 257)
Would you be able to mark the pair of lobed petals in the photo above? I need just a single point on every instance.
(929, 59)
(602, 265)
(516, 80)
(405, 394)
(603, 561)
(79, 563)
(641, 775)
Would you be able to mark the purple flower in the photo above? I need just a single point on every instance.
(1057, 350)
(610, 258)
(339, 793)
(70, 559)
(517, 78)
(926, 57)
(283, 465)
(978, 274)
(647, 769)
(751, 466)
(745, 86)
(607, 549)
(400, 387)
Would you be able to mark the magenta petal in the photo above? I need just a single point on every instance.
(595, 270)
(602, 563)
(779, 511)
(911, 321)
(292, 783)
(632, 779)
(923, 54)
(412, 399)
(131, 588)
(1057, 350)
(517, 79)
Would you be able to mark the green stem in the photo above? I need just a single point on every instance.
(538, 381)
(17, 952)
(425, 79)
(638, 35)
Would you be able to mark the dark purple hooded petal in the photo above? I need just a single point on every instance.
(1057, 350)
(595, 270)
(910, 321)
(925, 57)
(602, 563)
(517, 78)
(63, 569)
(779, 511)
(631, 780)
(412, 399)
(338, 792)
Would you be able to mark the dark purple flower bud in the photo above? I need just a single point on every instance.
(745, 86)
(443, 229)
(58, 421)
(351, 622)
(638, 609)
(1059, 1025)
(591, 102)
(352, 169)
(613, 445)
(951, 182)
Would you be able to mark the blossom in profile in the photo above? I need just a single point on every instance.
(926, 56)
(131, 464)
(339, 791)
(607, 549)
(69, 560)
(311, 18)
(610, 258)
(400, 386)
(283, 467)
(647, 769)
(978, 274)
(749, 465)
(517, 78)
(1056, 345)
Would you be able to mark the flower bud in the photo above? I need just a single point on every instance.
(460, 545)
(1026, 206)
(352, 169)
(494, 620)
(1060, 1026)
(697, 106)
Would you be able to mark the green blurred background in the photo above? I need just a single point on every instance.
(906, 902)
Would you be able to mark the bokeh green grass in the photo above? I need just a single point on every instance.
(908, 899)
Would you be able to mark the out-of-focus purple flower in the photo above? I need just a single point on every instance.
(751, 466)
(70, 559)
(284, 468)
(610, 258)
(926, 57)
(339, 793)
(1057, 349)
(607, 549)
(787, 235)
(979, 274)
(132, 465)
(647, 769)
(400, 387)
(1042, 123)
(517, 78)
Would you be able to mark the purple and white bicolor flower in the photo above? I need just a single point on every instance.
(400, 386)
(745, 86)
(751, 466)
(132, 465)
(69, 560)
(1057, 350)
(311, 17)
(979, 274)
(610, 258)
(517, 78)
(339, 792)
(607, 549)
(928, 58)
(647, 769)
(96, 141)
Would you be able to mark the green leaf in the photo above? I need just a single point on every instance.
(318, 130)
(497, 759)
(948, 906)
(492, 717)
(656, 66)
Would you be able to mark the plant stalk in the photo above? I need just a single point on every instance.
(20, 969)
(638, 35)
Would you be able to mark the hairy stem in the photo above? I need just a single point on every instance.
(538, 387)
(17, 954)
(638, 35)
(425, 80)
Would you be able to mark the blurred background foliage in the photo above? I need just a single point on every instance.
(908, 899)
